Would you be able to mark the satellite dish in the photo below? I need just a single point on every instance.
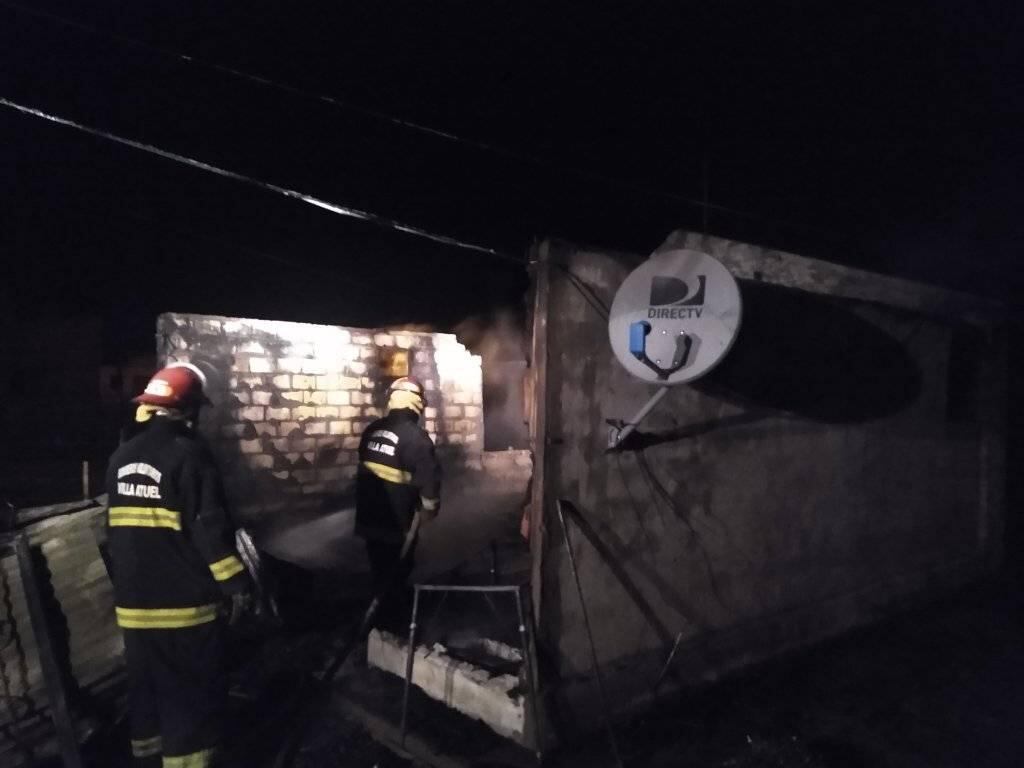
(675, 317)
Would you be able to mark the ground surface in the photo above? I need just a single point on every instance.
(938, 686)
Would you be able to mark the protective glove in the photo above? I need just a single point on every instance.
(428, 509)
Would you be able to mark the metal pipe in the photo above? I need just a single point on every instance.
(633, 423)
(590, 636)
(531, 680)
(409, 656)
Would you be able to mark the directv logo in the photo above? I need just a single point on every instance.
(671, 299)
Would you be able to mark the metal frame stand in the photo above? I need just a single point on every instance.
(55, 690)
(525, 637)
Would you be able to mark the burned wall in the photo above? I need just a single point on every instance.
(290, 401)
(846, 457)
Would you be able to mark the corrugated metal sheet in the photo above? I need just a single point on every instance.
(78, 596)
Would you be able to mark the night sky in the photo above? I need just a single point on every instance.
(885, 136)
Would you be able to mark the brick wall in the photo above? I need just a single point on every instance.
(290, 401)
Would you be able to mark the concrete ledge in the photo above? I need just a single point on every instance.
(495, 700)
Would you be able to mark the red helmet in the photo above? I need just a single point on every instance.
(179, 385)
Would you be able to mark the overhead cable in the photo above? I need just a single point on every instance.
(341, 210)
(484, 146)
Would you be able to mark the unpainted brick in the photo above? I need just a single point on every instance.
(372, 413)
(303, 412)
(314, 367)
(357, 368)
(302, 444)
(282, 382)
(260, 365)
(340, 398)
(250, 413)
(299, 350)
(472, 412)
(350, 443)
(430, 413)
(261, 461)
(250, 347)
(327, 382)
(289, 428)
(340, 428)
(316, 428)
(290, 364)
(384, 340)
(348, 382)
(452, 411)
(279, 414)
(303, 382)
(361, 339)
(327, 411)
(263, 428)
(261, 398)
(367, 352)
(242, 396)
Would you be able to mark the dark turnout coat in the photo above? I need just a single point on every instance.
(172, 548)
(398, 472)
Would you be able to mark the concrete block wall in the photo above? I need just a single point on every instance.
(835, 467)
(290, 401)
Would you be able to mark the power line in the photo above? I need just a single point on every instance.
(704, 205)
(341, 210)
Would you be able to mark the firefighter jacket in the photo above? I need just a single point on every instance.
(171, 547)
(398, 472)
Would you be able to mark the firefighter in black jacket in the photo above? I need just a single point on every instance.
(398, 476)
(175, 571)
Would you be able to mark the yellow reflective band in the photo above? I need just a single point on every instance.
(145, 517)
(390, 474)
(146, 747)
(224, 569)
(429, 504)
(202, 759)
(165, 618)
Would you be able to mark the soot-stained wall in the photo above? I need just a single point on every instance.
(290, 401)
(845, 457)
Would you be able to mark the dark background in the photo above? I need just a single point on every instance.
(883, 136)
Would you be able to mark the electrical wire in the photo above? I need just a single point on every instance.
(355, 213)
(704, 206)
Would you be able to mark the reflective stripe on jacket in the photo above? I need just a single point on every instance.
(398, 471)
(171, 546)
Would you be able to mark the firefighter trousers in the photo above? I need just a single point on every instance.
(390, 574)
(177, 695)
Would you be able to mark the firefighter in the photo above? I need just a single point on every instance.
(398, 476)
(176, 576)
